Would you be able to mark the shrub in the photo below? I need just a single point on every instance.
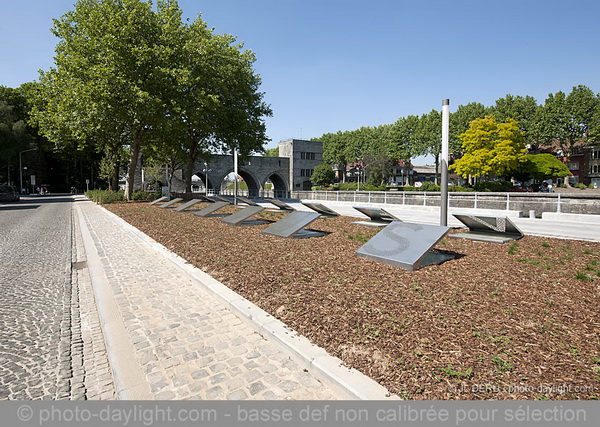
(147, 196)
(350, 186)
(105, 196)
(494, 186)
(429, 186)
(458, 188)
(371, 187)
(580, 185)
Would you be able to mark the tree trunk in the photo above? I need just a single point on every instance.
(437, 168)
(114, 179)
(189, 169)
(133, 159)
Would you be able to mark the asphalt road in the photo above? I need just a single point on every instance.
(35, 298)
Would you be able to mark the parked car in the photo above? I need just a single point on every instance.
(9, 193)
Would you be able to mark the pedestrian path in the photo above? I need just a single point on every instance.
(169, 336)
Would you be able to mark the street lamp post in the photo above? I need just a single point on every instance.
(445, 148)
(21, 168)
(206, 170)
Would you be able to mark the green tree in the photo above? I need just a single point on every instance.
(460, 121)
(14, 138)
(565, 121)
(214, 101)
(519, 108)
(272, 152)
(105, 86)
(378, 168)
(429, 137)
(323, 175)
(404, 139)
(490, 148)
(543, 166)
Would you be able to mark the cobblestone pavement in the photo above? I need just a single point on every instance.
(187, 343)
(35, 299)
(45, 322)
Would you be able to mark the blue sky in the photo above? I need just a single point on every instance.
(334, 65)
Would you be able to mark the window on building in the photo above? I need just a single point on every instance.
(305, 155)
(574, 166)
(594, 168)
(595, 154)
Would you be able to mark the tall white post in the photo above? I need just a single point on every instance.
(445, 149)
(235, 172)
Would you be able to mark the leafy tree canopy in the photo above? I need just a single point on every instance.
(323, 175)
(128, 74)
(545, 166)
(272, 152)
(490, 147)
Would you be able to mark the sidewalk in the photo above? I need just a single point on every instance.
(173, 332)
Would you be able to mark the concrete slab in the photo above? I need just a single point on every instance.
(187, 205)
(171, 202)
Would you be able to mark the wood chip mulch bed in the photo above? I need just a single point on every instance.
(500, 321)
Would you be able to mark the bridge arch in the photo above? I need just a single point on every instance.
(248, 177)
(256, 171)
(279, 184)
(208, 183)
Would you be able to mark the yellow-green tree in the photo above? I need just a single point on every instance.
(490, 147)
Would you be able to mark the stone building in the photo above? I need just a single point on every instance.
(304, 157)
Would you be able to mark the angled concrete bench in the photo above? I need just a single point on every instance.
(322, 209)
(379, 217)
(484, 228)
(242, 217)
(187, 205)
(171, 203)
(159, 200)
(211, 209)
(406, 245)
(292, 226)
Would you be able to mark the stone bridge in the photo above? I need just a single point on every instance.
(256, 171)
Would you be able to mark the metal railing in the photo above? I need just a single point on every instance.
(523, 202)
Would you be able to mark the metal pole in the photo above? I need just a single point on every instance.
(445, 149)
(235, 171)
(21, 168)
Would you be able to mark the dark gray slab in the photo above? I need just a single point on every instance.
(322, 209)
(207, 198)
(160, 199)
(218, 198)
(498, 229)
(405, 245)
(281, 205)
(170, 203)
(187, 205)
(292, 225)
(242, 216)
(247, 201)
(379, 217)
(211, 209)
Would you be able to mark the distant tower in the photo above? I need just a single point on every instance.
(304, 157)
